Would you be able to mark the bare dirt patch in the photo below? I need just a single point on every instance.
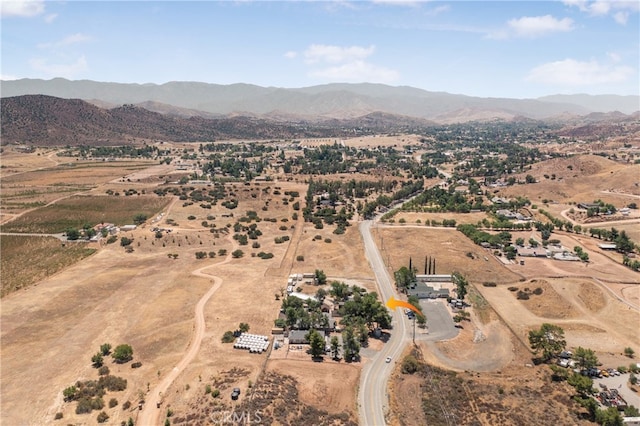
(448, 246)
(548, 303)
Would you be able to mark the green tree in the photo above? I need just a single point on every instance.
(628, 351)
(609, 417)
(404, 277)
(321, 277)
(72, 234)
(335, 347)
(243, 327)
(582, 384)
(585, 358)
(236, 254)
(461, 285)
(339, 290)
(122, 353)
(316, 341)
(124, 241)
(549, 340)
(139, 218)
(350, 345)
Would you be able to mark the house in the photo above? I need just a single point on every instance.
(606, 246)
(423, 291)
(128, 228)
(299, 337)
(435, 278)
(532, 252)
(588, 206)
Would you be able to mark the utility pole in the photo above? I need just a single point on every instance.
(414, 330)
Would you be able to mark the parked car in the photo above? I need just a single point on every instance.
(388, 359)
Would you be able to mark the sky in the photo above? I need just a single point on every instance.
(511, 49)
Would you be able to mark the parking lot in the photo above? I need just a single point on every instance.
(619, 383)
(440, 325)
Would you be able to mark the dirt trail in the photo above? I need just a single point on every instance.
(150, 413)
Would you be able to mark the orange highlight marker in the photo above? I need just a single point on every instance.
(394, 303)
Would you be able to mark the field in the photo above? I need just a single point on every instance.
(47, 255)
(152, 296)
(76, 211)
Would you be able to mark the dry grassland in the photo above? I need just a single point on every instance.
(147, 299)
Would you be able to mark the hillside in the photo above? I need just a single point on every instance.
(325, 101)
(47, 120)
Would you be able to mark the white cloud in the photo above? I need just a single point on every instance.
(291, 54)
(621, 17)
(357, 71)
(536, 26)
(6, 77)
(68, 40)
(50, 18)
(412, 3)
(69, 70)
(571, 72)
(21, 8)
(622, 8)
(336, 54)
(438, 10)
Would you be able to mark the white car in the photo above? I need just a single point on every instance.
(388, 359)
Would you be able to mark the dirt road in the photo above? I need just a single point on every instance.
(150, 414)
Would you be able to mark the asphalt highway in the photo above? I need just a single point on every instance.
(373, 400)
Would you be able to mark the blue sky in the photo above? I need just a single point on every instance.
(513, 49)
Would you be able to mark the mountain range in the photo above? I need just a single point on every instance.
(316, 103)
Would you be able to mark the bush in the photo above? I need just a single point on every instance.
(237, 254)
(537, 291)
(122, 353)
(124, 241)
(513, 288)
(136, 365)
(489, 284)
(410, 364)
(327, 240)
(126, 405)
(58, 416)
(103, 417)
(228, 337)
(300, 258)
(113, 402)
(215, 393)
(521, 295)
(103, 371)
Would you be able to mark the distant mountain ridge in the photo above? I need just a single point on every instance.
(330, 101)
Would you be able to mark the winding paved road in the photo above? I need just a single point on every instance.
(373, 399)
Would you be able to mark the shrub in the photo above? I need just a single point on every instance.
(300, 258)
(58, 416)
(207, 389)
(136, 365)
(513, 288)
(105, 349)
(537, 291)
(103, 417)
(237, 254)
(521, 295)
(103, 371)
(489, 284)
(122, 353)
(228, 337)
(327, 240)
(126, 405)
(113, 402)
(124, 241)
(215, 393)
(409, 364)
